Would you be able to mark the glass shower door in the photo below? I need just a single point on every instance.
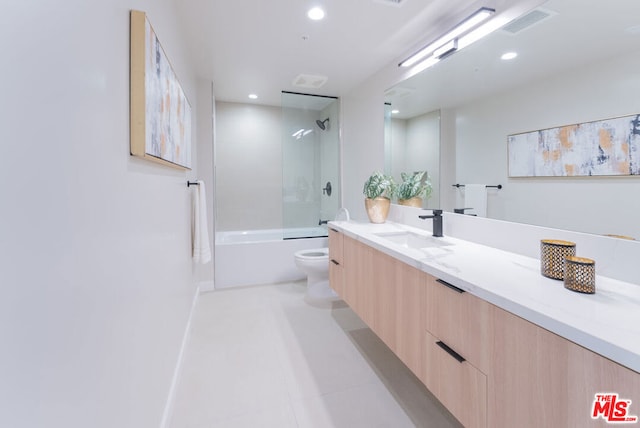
(310, 163)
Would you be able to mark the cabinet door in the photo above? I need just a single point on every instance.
(410, 311)
(358, 278)
(461, 320)
(541, 379)
(528, 382)
(590, 374)
(335, 245)
(459, 386)
(336, 279)
(384, 287)
(399, 308)
(388, 295)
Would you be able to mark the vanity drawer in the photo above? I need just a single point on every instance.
(459, 386)
(461, 320)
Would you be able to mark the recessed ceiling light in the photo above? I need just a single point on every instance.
(509, 55)
(395, 111)
(253, 96)
(316, 14)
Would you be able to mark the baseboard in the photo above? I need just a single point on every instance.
(205, 286)
(168, 409)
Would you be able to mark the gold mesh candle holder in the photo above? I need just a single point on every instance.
(580, 274)
(552, 255)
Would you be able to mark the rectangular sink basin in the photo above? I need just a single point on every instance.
(413, 240)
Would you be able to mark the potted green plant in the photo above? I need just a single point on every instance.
(413, 188)
(378, 189)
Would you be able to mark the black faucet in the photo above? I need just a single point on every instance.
(321, 222)
(461, 211)
(437, 222)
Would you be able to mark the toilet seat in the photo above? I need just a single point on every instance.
(313, 254)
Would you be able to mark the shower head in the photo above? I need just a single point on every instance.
(321, 123)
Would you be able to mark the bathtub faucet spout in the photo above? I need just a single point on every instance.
(321, 222)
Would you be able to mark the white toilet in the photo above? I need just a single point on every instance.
(315, 264)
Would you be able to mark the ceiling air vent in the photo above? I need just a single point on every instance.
(396, 3)
(309, 81)
(526, 21)
(398, 92)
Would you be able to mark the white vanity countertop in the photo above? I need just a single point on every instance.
(607, 322)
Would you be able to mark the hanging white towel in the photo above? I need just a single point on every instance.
(475, 196)
(201, 249)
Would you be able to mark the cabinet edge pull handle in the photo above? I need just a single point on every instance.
(451, 286)
(450, 351)
(335, 262)
(333, 230)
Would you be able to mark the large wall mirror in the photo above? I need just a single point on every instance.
(576, 62)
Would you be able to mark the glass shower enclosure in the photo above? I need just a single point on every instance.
(310, 164)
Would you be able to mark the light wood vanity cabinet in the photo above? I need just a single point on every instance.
(386, 294)
(514, 373)
(395, 300)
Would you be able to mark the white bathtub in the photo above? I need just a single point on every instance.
(261, 256)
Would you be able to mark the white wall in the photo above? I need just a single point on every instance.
(95, 267)
(605, 205)
(248, 167)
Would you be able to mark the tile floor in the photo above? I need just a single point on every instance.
(262, 357)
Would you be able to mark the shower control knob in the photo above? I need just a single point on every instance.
(327, 189)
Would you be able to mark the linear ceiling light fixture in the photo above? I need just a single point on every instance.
(448, 48)
(450, 42)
